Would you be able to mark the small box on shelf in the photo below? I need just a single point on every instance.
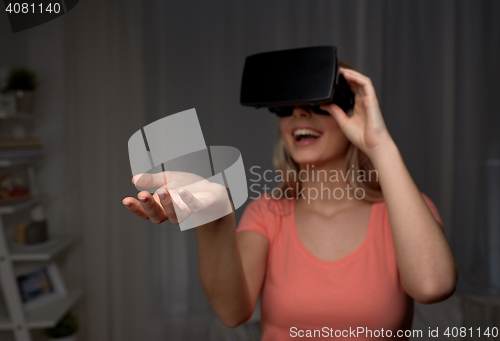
(35, 231)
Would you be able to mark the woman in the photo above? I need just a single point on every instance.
(335, 266)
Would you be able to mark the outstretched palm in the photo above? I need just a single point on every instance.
(178, 195)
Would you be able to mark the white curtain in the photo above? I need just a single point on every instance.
(110, 67)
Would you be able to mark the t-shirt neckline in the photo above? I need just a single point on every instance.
(346, 258)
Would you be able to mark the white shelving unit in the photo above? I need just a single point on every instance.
(46, 316)
(44, 252)
(13, 316)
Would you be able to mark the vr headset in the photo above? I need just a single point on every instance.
(306, 77)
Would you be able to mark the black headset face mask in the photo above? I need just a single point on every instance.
(304, 77)
(288, 111)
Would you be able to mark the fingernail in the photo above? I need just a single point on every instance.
(127, 204)
(162, 195)
(143, 200)
(182, 193)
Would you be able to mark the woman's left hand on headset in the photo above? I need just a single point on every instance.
(365, 128)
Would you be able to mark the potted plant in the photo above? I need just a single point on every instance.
(64, 330)
(22, 83)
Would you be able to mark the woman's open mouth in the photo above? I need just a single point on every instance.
(305, 136)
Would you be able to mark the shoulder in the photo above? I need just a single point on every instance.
(264, 214)
(268, 208)
(265, 204)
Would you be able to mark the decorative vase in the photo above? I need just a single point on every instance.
(24, 99)
(66, 338)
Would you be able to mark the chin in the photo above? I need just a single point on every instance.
(307, 159)
(312, 159)
(319, 157)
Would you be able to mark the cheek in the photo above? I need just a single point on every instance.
(329, 123)
(288, 141)
(335, 138)
(284, 131)
(283, 122)
(335, 133)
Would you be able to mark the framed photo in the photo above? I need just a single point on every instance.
(40, 286)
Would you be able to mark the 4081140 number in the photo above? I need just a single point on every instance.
(33, 8)
(463, 332)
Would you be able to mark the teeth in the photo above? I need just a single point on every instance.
(309, 132)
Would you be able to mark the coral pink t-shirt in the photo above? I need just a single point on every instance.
(304, 297)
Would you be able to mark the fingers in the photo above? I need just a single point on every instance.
(134, 206)
(167, 204)
(337, 113)
(154, 211)
(359, 83)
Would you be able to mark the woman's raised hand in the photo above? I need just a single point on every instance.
(365, 128)
(178, 195)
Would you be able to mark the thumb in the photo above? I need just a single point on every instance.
(193, 203)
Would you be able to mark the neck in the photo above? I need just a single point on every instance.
(325, 187)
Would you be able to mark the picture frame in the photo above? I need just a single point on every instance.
(40, 285)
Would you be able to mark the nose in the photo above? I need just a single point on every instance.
(300, 112)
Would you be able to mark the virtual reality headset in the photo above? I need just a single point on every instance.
(306, 77)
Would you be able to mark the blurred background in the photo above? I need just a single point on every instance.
(107, 68)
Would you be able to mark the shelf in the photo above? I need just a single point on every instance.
(42, 252)
(12, 163)
(48, 315)
(21, 205)
(18, 116)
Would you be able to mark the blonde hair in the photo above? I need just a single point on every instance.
(358, 161)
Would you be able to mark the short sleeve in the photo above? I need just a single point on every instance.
(432, 207)
(257, 218)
